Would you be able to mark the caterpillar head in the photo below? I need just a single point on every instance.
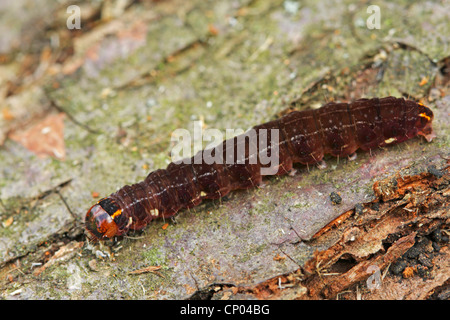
(424, 122)
(102, 220)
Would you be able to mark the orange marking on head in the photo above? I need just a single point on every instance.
(117, 213)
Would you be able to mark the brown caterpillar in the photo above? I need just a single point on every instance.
(338, 129)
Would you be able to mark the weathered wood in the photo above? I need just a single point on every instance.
(127, 82)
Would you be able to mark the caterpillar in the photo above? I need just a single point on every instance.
(303, 137)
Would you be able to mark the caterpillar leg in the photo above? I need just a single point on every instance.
(353, 156)
(322, 165)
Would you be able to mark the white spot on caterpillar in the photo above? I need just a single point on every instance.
(130, 221)
(154, 212)
(390, 140)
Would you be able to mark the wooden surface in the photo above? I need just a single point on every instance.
(87, 111)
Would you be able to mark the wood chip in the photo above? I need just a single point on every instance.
(152, 269)
(45, 138)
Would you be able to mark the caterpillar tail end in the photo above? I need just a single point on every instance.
(424, 123)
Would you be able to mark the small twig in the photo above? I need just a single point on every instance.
(331, 274)
(67, 205)
(46, 193)
(53, 190)
(72, 118)
(152, 269)
(290, 258)
(385, 271)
